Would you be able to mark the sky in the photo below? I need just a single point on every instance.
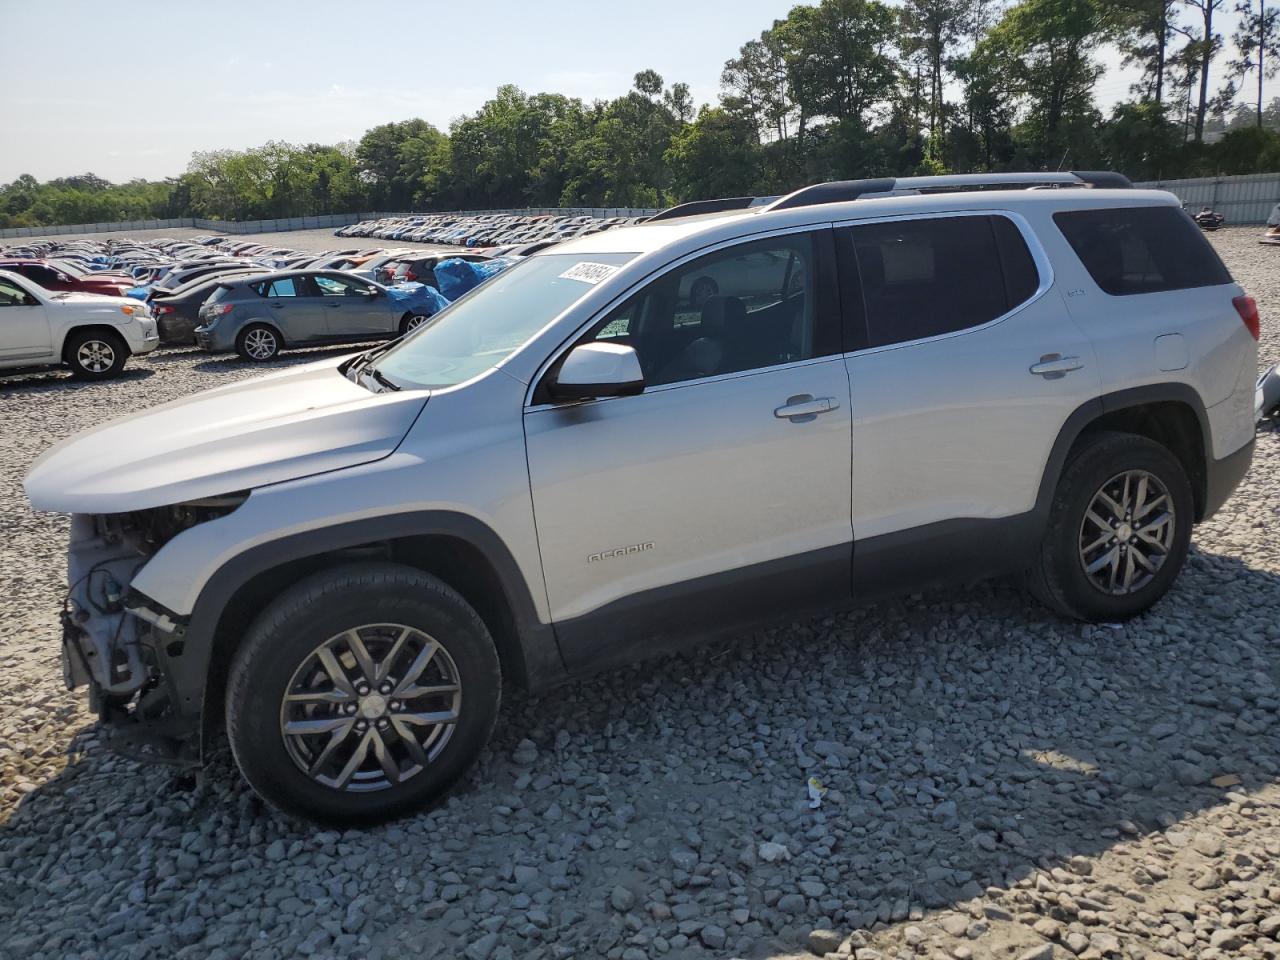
(132, 89)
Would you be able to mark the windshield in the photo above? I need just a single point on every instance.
(67, 267)
(494, 320)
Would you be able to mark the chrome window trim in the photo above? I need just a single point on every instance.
(653, 277)
(1038, 255)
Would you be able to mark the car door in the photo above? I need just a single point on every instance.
(964, 365)
(293, 305)
(24, 326)
(351, 310)
(721, 493)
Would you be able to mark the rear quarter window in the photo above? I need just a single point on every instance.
(1132, 250)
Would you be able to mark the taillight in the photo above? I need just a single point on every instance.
(163, 310)
(1247, 307)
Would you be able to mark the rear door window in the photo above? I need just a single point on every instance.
(1129, 250)
(915, 279)
(283, 287)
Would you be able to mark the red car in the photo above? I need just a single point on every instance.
(61, 277)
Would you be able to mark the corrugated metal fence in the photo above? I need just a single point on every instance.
(1242, 200)
(297, 223)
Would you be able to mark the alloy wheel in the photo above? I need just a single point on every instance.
(371, 707)
(260, 344)
(1127, 532)
(415, 321)
(95, 356)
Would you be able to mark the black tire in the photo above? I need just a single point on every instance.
(1058, 578)
(259, 343)
(285, 636)
(95, 354)
(411, 320)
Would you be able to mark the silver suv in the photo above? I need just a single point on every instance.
(584, 461)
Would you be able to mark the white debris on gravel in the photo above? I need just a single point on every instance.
(1002, 783)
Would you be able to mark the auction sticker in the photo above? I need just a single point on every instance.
(589, 272)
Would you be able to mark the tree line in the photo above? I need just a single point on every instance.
(838, 89)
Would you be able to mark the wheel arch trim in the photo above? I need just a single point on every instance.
(1092, 410)
(534, 642)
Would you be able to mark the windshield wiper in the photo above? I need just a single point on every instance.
(382, 378)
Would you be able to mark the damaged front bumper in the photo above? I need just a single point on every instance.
(120, 643)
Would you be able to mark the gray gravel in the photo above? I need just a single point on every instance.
(1001, 783)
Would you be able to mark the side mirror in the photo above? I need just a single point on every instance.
(593, 370)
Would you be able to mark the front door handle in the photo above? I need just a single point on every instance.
(805, 407)
(334, 303)
(1054, 365)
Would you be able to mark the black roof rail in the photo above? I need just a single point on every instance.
(1104, 179)
(837, 191)
(696, 207)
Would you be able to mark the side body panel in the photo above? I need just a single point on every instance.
(957, 426)
(1194, 337)
(25, 335)
(687, 482)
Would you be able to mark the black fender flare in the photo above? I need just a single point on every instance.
(1091, 410)
(188, 670)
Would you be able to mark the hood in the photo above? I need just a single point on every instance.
(280, 427)
(102, 300)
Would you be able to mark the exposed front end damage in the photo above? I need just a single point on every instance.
(120, 643)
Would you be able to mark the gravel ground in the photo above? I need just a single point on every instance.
(1002, 783)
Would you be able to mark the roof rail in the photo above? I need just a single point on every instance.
(841, 191)
(837, 191)
(1104, 179)
(695, 207)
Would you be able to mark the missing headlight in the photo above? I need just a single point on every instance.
(159, 525)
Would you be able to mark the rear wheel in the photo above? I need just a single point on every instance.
(362, 693)
(1119, 529)
(95, 354)
(258, 342)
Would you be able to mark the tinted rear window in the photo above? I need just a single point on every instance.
(937, 275)
(1130, 250)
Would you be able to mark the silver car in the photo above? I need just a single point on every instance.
(259, 316)
(577, 464)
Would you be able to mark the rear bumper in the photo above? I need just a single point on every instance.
(1223, 476)
(177, 331)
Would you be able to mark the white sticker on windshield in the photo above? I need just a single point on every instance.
(589, 272)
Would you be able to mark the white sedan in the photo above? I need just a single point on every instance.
(90, 334)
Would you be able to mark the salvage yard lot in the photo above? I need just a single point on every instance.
(1001, 781)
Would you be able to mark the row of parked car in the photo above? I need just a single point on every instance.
(509, 233)
(89, 305)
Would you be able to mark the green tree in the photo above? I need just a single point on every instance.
(1044, 50)
(931, 31)
(718, 155)
(390, 158)
(1203, 46)
(1257, 42)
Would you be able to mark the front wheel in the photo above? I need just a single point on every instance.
(361, 694)
(95, 355)
(1119, 529)
(412, 321)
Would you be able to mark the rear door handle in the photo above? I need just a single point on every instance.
(334, 303)
(1055, 365)
(805, 407)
